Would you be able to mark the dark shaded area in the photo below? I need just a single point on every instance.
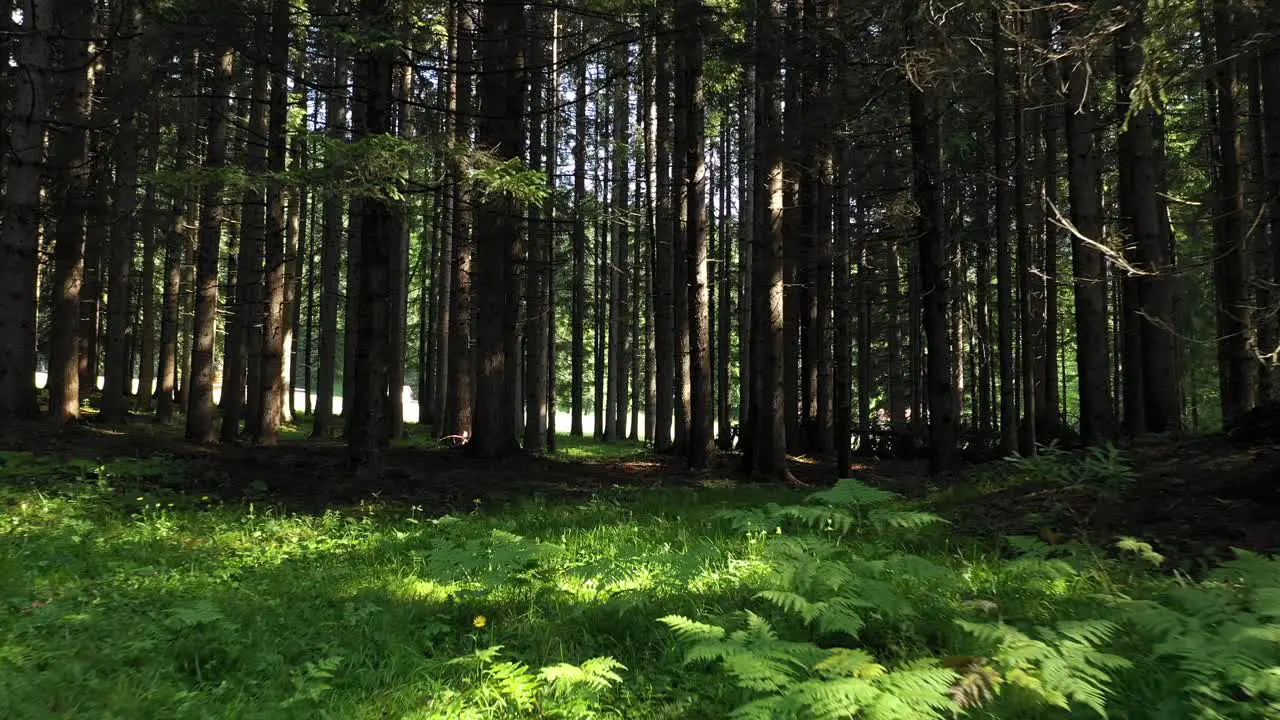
(1194, 499)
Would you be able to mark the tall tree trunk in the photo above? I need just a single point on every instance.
(253, 230)
(617, 371)
(1088, 265)
(367, 426)
(147, 293)
(175, 253)
(680, 238)
(501, 93)
(701, 412)
(844, 315)
(117, 381)
(768, 441)
(19, 241)
(578, 353)
(664, 339)
(926, 145)
(270, 405)
(540, 233)
(331, 247)
(1236, 368)
(1004, 266)
(399, 269)
(1271, 119)
(460, 400)
(69, 143)
(200, 394)
(1027, 321)
(1047, 412)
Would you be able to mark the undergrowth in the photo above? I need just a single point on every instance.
(753, 602)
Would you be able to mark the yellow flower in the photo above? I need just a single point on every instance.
(479, 622)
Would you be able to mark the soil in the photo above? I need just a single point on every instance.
(1194, 499)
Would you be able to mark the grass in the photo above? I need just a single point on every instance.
(115, 604)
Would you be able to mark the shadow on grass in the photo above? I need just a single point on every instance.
(128, 608)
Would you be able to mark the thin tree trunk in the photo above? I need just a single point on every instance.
(1004, 266)
(1051, 114)
(147, 226)
(331, 252)
(578, 320)
(664, 339)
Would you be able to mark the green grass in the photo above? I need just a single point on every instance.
(115, 604)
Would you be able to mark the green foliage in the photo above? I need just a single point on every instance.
(1105, 468)
(128, 603)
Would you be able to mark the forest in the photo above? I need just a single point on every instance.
(640, 359)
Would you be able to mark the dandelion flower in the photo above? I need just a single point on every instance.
(479, 621)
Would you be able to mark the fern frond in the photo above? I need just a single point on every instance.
(692, 630)
(852, 493)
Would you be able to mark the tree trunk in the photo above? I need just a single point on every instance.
(578, 353)
(68, 154)
(540, 233)
(1088, 265)
(399, 269)
(926, 145)
(366, 417)
(664, 339)
(117, 381)
(200, 394)
(1047, 425)
(19, 241)
(147, 292)
(1235, 364)
(501, 93)
(768, 435)
(1004, 266)
(253, 229)
(331, 249)
(270, 405)
(459, 401)
(701, 412)
(617, 372)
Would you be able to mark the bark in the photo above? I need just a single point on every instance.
(768, 434)
(1271, 121)
(147, 230)
(1088, 265)
(501, 93)
(270, 405)
(117, 380)
(253, 229)
(578, 320)
(926, 145)
(399, 269)
(844, 315)
(367, 426)
(330, 252)
(664, 339)
(701, 412)
(617, 373)
(540, 228)
(680, 241)
(459, 402)
(1047, 424)
(69, 158)
(175, 253)
(1004, 267)
(200, 394)
(1027, 325)
(1236, 368)
(19, 240)
(1140, 162)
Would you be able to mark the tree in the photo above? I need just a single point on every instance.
(19, 239)
(200, 395)
(69, 158)
(499, 127)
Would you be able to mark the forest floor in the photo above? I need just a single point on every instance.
(1196, 498)
(142, 576)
